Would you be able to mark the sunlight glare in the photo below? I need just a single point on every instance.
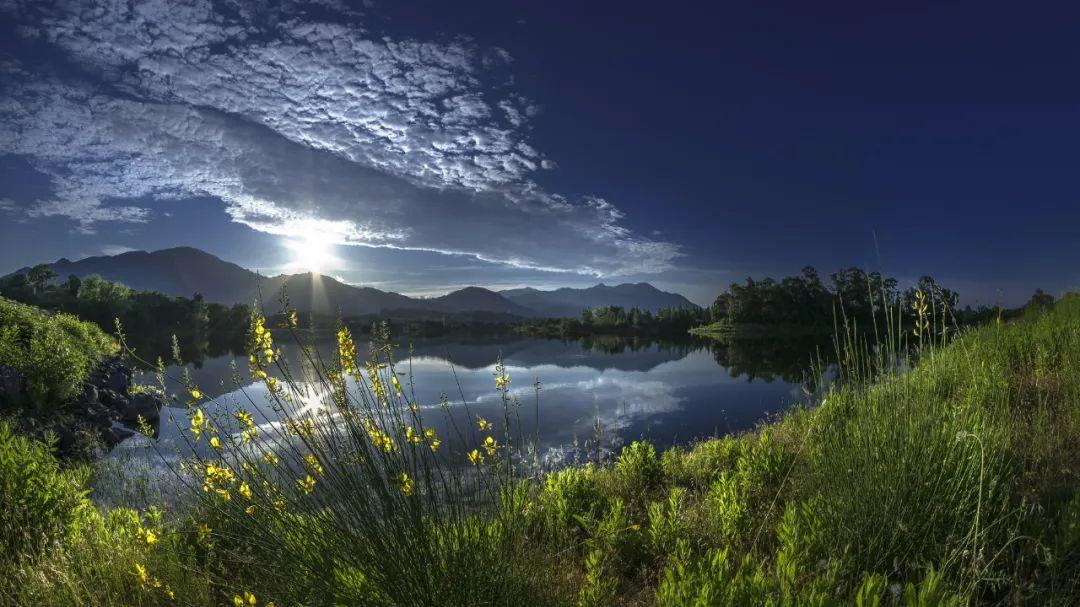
(311, 253)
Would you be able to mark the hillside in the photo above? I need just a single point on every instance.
(185, 271)
(478, 298)
(180, 272)
(568, 302)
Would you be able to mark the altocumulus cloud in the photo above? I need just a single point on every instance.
(299, 121)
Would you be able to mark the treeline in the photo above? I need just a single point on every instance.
(149, 319)
(806, 303)
(616, 320)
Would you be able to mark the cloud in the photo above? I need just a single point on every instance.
(299, 124)
(115, 249)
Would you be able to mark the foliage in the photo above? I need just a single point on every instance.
(616, 320)
(804, 304)
(38, 500)
(937, 474)
(54, 353)
(58, 550)
(150, 319)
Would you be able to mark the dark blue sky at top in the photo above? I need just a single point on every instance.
(756, 137)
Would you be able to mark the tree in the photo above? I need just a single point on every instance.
(40, 276)
(1040, 300)
(71, 285)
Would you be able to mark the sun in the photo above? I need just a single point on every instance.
(311, 254)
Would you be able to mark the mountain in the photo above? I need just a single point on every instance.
(321, 294)
(570, 302)
(471, 299)
(180, 272)
(184, 271)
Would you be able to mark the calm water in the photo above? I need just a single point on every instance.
(667, 393)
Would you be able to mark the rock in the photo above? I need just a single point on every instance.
(66, 439)
(12, 392)
(147, 406)
(89, 396)
(113, 399)
(110, 437)
(98, 415)
(119, 381)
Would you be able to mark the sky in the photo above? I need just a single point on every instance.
(423, 146)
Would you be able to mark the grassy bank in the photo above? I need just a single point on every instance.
(952, 483)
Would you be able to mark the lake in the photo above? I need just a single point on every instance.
(668, 393)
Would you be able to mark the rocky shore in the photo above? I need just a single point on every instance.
(106, 412)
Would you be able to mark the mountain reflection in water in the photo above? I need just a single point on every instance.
(666, 392)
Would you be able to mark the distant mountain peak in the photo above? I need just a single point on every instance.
(569, 301)
(185, 270)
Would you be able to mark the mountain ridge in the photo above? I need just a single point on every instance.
(184, 271)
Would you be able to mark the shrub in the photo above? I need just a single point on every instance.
(38, 500)
(55, 353)
(637, 471)
(568, 497)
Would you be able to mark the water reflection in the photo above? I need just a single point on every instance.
(665, 392)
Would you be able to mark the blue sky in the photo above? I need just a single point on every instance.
(424, 146)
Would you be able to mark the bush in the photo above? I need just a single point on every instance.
(55, 353)
(637, 471)
(38, 500)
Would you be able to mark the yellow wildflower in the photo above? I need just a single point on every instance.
(140, 572)
(307, 485)
(146, 535)
(195, 394)
(215, 443)
(406, 484)
(432, 440)
(244, 491)
(483, 424)
(346, 349)
(263, 343)
(475, 457)
(490, 445)
(379, 438)
(292, 319)
(411, 436)
(314, 464)
(245, 418)
(397, 385)
(250, 509)
(198, 422)
(270, 458)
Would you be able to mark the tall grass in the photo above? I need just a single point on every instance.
(939, 471)
(347, 495)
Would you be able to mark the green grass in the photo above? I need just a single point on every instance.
(952, 483)
(54, 352)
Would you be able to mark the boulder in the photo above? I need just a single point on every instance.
(110, 437)
(119, 381)
(89, 396)
(147, 406)
(12, 392)
(67, 439)
(112, 399)
(98, 415)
